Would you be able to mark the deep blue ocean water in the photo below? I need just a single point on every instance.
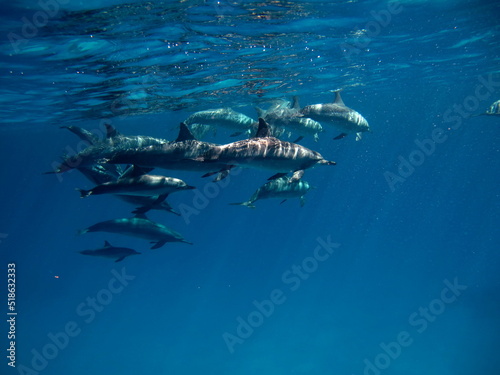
(398, 261)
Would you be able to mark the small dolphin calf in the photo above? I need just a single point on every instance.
(109, 251)
(138, 226)
(266, 152)
(338, 115)
(280, 188)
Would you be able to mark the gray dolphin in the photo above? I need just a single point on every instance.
(109, 251)
(98, 153)
(338, 115)
(282, 188)
(182, 154)
(266, 152)
(224, 117)
(138, 226)
(143, 185)
(287, 115)
(100, 174)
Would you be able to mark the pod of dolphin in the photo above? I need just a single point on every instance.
(101, 162)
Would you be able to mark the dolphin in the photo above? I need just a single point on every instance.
(265, 152)
(141, 185)
(224, 117)
(100, 174)
(182, 154)
(99, 152)
(138, 226)
(287, 115)
(109, 251)
(279, 188)
(338, 115)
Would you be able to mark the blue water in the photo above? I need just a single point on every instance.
(409, 282)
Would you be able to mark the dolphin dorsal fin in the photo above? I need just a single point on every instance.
(295, 102)
(260, 112)
(141, 216)
(107, 244)
(184, 133)
(135, 171)
(338, 98)
(263, 130)
(111, 132)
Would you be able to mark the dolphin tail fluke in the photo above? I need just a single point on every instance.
(340, 136)
(84, 193)
(248, 204)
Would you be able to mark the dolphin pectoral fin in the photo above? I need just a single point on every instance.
(283, 201)
(119, 259)
(158, 244)
(141, 210)
(82, 231)
(185, 241)
(298, 139)
(222, 175)
(359, 136)
(340, 136)
(248, 204)
(276, 176)
(160, 199)
(297, 175)
(84, 193)
(302, 201)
